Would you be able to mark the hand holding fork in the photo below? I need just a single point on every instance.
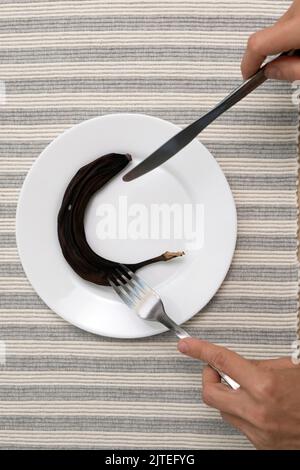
(147, 304)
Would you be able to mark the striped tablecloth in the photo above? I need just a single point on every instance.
(65, 61)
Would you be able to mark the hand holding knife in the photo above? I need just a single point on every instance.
(184, 137)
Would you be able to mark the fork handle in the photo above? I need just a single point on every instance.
(181, 334)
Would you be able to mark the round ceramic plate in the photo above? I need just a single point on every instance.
(192, 179)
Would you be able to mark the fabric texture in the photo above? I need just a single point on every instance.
(62, 62)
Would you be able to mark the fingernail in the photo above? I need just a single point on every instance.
(273, 72)
(183, 347)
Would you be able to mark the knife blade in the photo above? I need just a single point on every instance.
(185, 136)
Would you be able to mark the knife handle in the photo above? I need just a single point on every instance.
(246, 87)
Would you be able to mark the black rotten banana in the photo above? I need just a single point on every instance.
(75, 248)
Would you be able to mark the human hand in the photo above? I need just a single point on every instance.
(284, 35)
(266, 408)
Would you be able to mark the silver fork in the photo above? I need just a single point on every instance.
(147, 304)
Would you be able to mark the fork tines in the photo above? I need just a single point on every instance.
(130, 287)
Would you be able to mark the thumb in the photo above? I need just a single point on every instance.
(285, 68)
(227, 361)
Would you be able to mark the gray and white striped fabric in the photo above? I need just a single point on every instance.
(65, 61)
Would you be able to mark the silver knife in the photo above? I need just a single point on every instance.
(184, 137)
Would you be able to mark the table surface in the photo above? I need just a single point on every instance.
(299, 202)
(68, 389)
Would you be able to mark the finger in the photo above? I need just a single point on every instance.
(235, 421)
(224, 399)
(210, 376)
(280, 37)
(245, 427)
(287, 15)
(240, 369)
(284, 68)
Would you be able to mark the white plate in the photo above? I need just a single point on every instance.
(192, 177)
